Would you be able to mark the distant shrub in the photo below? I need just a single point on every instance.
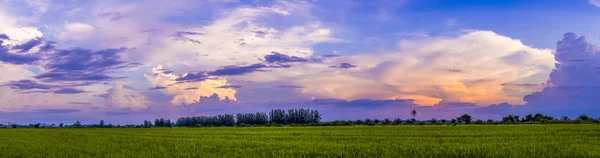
(478, 121)
(371, 124)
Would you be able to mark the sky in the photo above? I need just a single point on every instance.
(125, 61)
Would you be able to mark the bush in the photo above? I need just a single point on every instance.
(371, 124)
(479, 122)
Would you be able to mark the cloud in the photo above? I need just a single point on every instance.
(239, 37)
(290, 86)
(27, 85)
(573, 84)
(15, 81)
(83, 65)
(344, 66)
(118, 98)
(16, 58)
(58, 111)
(482, 62)
(276, 57)
(77, 31)
(595, 3)
(230, 86)
(157, 87)
(364, 103)
(189, 92)
(69, 91)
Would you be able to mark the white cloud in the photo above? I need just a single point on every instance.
(239, 37)
(77, 31)
(17, 34)
(119, 98)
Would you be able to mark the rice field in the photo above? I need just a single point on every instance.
(564, 140)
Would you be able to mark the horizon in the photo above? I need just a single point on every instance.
(119, 62)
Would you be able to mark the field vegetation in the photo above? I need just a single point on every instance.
(515, 140)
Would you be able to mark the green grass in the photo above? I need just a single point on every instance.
(353, 141)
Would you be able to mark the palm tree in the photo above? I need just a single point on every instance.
(413, 113)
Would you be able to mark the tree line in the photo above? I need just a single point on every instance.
(308, 117)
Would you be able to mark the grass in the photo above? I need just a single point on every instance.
(353, 141)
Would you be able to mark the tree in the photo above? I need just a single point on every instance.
(443, 121)
(386, 121)
(413, 113)
(466, 118)
(528, 118)
(398, 121)
(61, 125)
(565, 118)
(101, 124)
(78, 124)
(37, 125)
(14, 125)
(433, 120)
(582, 117)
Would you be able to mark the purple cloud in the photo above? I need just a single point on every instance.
(290, 86)
(69, 91)
(230, 86)
(344, 66)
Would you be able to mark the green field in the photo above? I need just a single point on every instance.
(352, 141)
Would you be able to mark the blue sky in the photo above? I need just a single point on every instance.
(125, 61)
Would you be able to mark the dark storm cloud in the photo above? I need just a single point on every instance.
(276, 57)
(3, 36)
(12, 58)
(193, 77)
(330, 56)
(83, 65)
(28, 45)
(344, 66)
(182, 36)
(30, 86)
(238, 70)
(230, 86)
(157, 88)
(65, 68)
(68, 91)
(27, 85)
(184, 33)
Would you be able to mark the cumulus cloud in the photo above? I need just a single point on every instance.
(573, 85)
(481, 63)
(119, 98)
(189, 92)
(239, 37)
(77, 31)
